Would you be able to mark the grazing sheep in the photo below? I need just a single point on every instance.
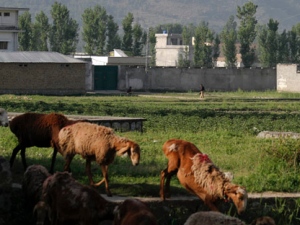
(133, 212)
(212, 218)
(36, 129)
(264, 220)
(3, 118)
(199, 175)
(32, 183)
(95, 143)
(68, 200)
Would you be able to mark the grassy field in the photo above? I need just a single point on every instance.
(223, 125)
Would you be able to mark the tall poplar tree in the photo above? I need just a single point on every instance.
(229, 37)
(246, 32)
(94, 30)
(268, 44)
(113, 38)
(203, 46)
(40, 32)
(64, 30)
(138, 40)
(128, 33)
(26, 26)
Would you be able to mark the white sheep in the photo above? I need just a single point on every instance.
(3, 118)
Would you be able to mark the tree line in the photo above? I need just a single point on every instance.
(101, 34)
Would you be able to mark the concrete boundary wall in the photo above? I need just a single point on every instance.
(189, 79)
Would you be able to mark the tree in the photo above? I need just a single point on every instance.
(151, 42)
(202, 44)
(283, 48)
(40, 32)
(128, 33)
(294, 43)
(171, 28)
(25, 36)
(113, 39)
(64, 31)
(183, 57)
(216, 49)
(246, 32)
(139, 40)
(268, 44)
(229, 37)
(94, 30)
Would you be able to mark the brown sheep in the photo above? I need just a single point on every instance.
(133, 212)
(68, 200)
(199, 175)
(3, 118)
(95, 143)
(36, 129)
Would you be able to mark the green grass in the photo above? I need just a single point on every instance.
(223, 125)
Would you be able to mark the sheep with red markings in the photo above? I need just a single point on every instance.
(37, 129)
(197, 173)
(133, 212)
(68, 200)
(3, 118)
(212, 218)
(95, 143)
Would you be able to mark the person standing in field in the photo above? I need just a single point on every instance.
(202, 89)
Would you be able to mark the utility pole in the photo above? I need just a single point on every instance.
(147, 46)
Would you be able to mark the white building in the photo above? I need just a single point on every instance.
(168, 47)
(9, 28)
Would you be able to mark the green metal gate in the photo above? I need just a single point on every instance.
(105, 77)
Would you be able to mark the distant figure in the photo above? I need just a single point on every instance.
(202, 89)
(129, 91)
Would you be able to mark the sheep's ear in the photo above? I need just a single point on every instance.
(122, 151)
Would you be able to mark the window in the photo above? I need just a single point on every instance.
(298, 68)
(3, 45)
(6, 14)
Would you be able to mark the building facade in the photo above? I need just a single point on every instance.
(9, 28)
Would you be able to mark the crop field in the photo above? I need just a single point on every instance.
(222, 125)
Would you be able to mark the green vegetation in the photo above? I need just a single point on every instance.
(223, 125)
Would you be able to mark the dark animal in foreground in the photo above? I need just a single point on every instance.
(32, 184)
(199, 175)
(212, 218)
(133, 212)
(95, 143)
(67, 200)
(36, 129)
(3, 118)
(264, 220)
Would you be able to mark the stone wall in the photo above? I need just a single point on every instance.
(189, 79)
(42, 78)
(288, 77)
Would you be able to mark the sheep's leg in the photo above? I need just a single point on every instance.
(165, 188)
(68, 160)
(104, 169)
(53, 161)
(13, 156)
